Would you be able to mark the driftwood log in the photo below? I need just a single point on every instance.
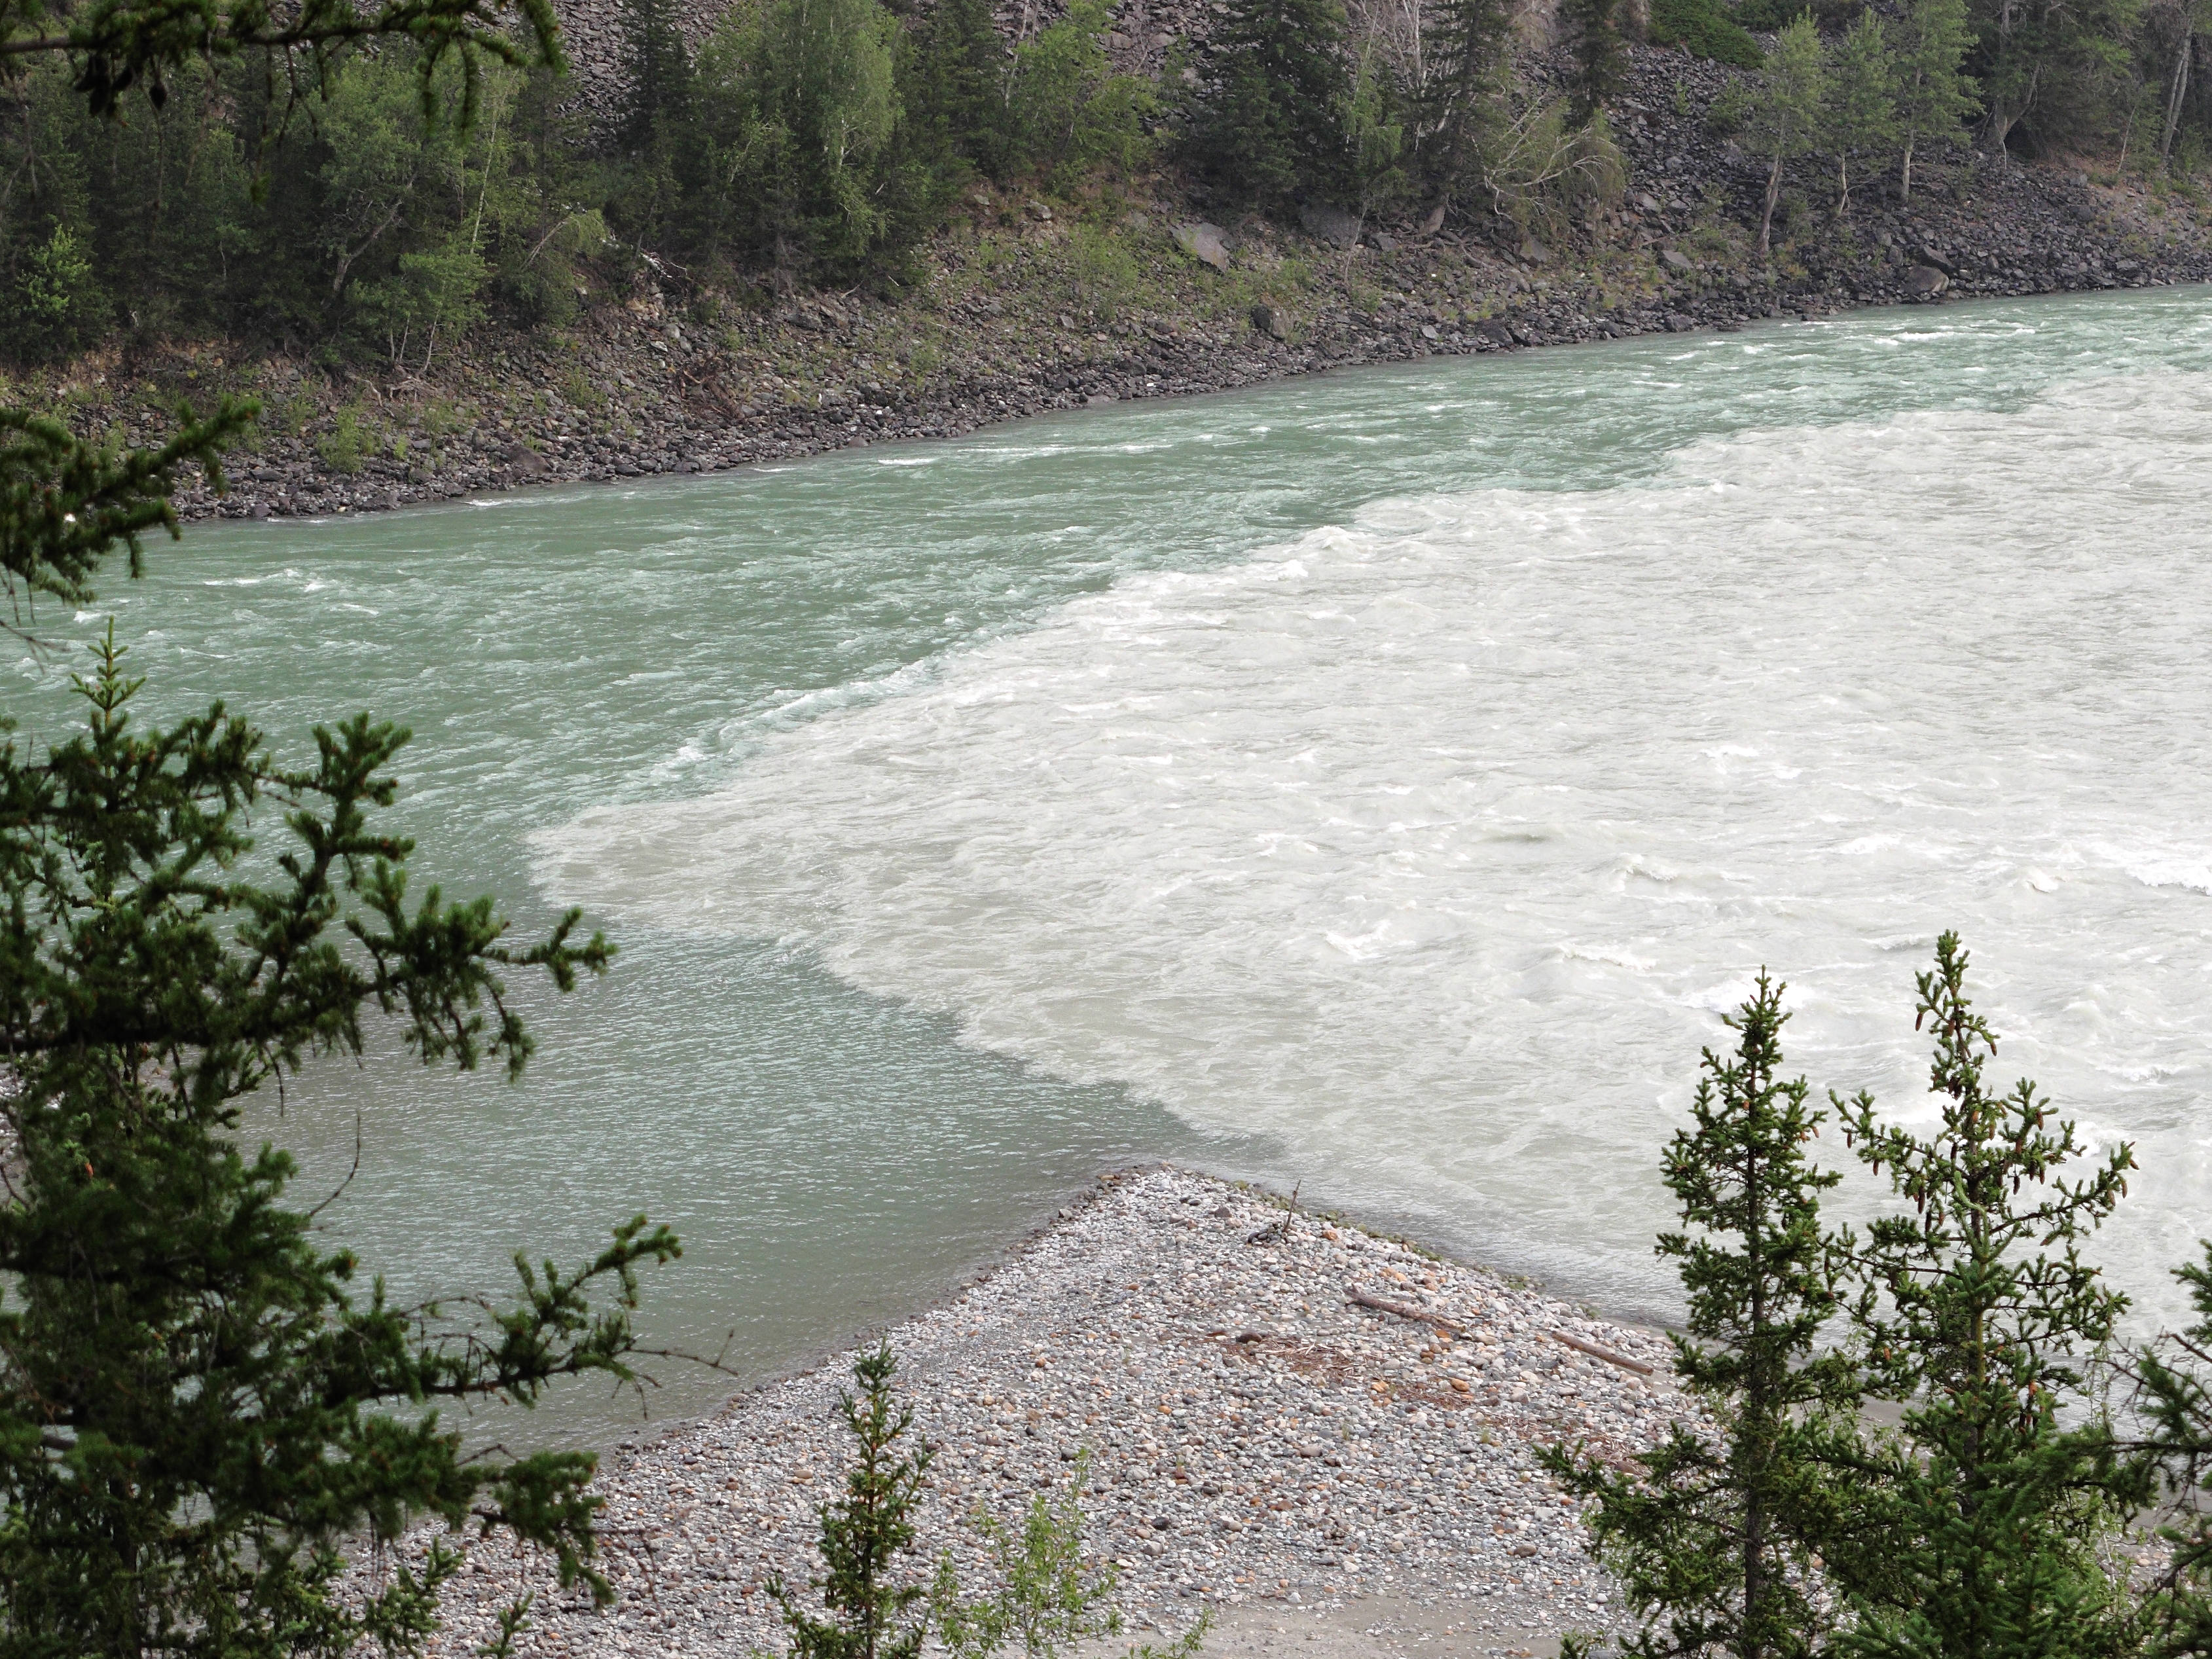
(1404, 1311)
(1422, 1316)
(1606, 1354)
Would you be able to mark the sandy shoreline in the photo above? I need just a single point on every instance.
(1321, 1475)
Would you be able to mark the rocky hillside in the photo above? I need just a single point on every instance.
(1028, 308)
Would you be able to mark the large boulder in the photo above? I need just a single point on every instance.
(1207, 244)
(1271, 321)
(1925, 282)
(1330, 224)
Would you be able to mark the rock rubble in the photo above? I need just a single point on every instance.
(1253, 1439)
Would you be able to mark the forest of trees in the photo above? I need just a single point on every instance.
(814, 140)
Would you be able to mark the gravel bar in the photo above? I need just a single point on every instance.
(1312, 1469)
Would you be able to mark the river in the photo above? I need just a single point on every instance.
(1380, 781)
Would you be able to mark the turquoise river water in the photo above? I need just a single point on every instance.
(1382, 781)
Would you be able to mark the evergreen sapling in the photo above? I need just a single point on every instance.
(2173, 1404)
(1976, 1309)
(863, 1533)
(1275, 83)
(1714, 1536)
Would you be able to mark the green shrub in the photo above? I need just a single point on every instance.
(1766, 16)
(1707, 30)
(59, 306)
(1072, 113)
(1103, 272)
(1727, 113)
(435, 293)
(342, 446)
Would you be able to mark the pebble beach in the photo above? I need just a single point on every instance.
(1321, 1438)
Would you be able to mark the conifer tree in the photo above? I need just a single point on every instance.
(1713, 1535)
(2173, 1402)
(1976, 1309)
(1933, 96)
(197, 1407)
(1861, 98)
(959, 96)
(1599, 57)
(1274, 79)
(1785, 115)
(658, 110)
(1467, 87)
(1375, 173)
(862, 1534)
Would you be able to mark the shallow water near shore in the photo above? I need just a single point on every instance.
(1383, 781)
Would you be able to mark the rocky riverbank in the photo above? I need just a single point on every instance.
(1023, 306)
(1306, 1429)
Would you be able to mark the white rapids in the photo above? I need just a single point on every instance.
(1430, 844)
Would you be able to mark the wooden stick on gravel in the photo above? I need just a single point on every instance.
(1606, 1354)
(1404, 1311)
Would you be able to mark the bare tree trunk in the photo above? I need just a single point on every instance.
(346, 260)
(1905, 173)
(2000, 125)
(2179, 94)
(1773, 195)
(1844, 180)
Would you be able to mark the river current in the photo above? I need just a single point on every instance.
(1381, 781)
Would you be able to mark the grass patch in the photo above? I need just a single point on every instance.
(1706, 30)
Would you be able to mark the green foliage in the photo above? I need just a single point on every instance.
(1713, 1537)
(1273, 79)
(64, 504)
(862, 1534)
(200, 1414)
(2173, 1402)
(1470, 96)
(141, 45)
(435, 293)
(658, 106)
(1599, 55)
(1542, 174)
(1860, 97)
(59, 305)
(1785, 118)
(1047, 1599)
(1103, 272)
(1070, 112)
(798, 106)
(344, 446)
(957, 90)
(2049, 69)
(1932, 96)
(184, 1451)
(1726, 115)
(1976, 1310)
(1705, 28)
(1375, 172)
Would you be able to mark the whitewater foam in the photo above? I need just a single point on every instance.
(1432, 843)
